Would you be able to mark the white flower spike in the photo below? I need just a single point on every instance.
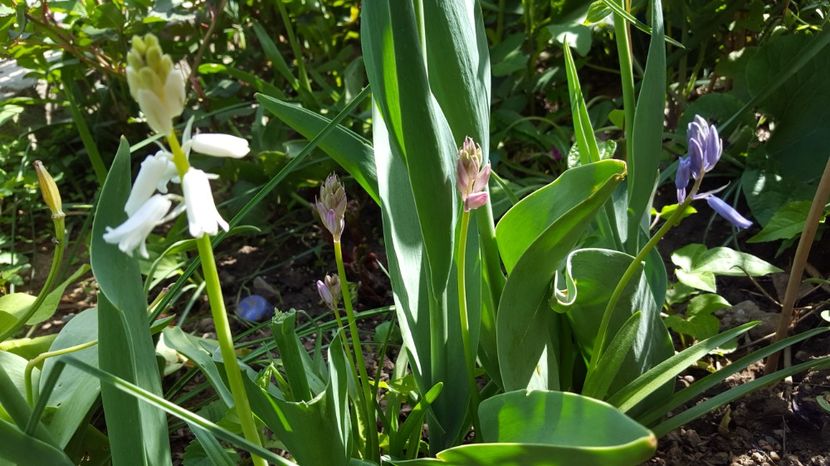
(132, 234)
(202, 216)
(220, 145)
(155, 172)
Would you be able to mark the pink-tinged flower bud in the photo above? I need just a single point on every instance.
(472, 178)
(329, 290)
(331, 206)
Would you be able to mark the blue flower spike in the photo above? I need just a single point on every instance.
(705, 150)
(254, 308)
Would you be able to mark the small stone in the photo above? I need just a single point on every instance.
(774, 456)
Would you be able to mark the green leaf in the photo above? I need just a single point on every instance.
(706, 383)
(546, 428)
(75, 391)
(584, 298)
(175, 410)
(348, 149)
(534, 237)
(534, 214)
(583, 130)
(17, 304)
(647, 129)
(19, 448)
(190, 347)
(786, 223)
(627, 397)
(125, 347)
(599, 381)
(698, 266)
(698, 322)
(324, 416)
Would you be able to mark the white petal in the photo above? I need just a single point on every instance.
(132, 234)
(220, 145)
(202, 216)
(155, 112)
(153, 174)
(174, 94)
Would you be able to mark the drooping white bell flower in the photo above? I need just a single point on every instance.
(156, 171)
(220, 145)
(202, 216)
(132, 234)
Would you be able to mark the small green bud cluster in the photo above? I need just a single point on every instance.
(155, 83)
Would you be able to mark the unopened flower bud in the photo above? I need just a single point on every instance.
(329, 290)
(331, 206)
(49, 190)
(472, 178)
(155, 83)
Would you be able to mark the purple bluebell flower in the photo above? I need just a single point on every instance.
(681, 180)
(705, 146)
(329, 290)
(726, 211)
(705, 149)
(254, 308)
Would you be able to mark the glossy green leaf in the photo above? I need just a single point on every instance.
(415, 154)
(534, 237)
(347, 148)
(628, 396)
(647, 129)
(599, 381)
(698, 320)
(582, 294)
(75, 392)
(534, 214)
(698, 266)
(547, 428)
(583, 130)
(701, 386)
(326, 416)
(786, 223)
(189, 346)
(17, 304)
(175, 410)
(19, 448)
(125, 347)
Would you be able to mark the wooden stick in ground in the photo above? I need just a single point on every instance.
(800, 261)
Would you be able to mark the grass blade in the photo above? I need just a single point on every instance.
(707, 406)
(636, 391)
(583, 130)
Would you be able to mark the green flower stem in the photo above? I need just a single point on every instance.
(631, 271)
(27, 373)
(220, 319)
(469, 354)
(54, 269)
(372, 446)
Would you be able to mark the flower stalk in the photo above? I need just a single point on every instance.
(469, 353)
(51, 195)
(220, 318)
(372, 441)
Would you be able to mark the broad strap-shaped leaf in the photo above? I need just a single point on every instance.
(189, 346)
(647, 130)
(589, 277)
(70, 405)
(628, 396)
(19, 448)
(534, 237)
(326, 416)
(548, 428)
(125, 348)
(347, 148)
(418, 130)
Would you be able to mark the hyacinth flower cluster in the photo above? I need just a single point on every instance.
(158, 87)
(471, 177)
(705, 149)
